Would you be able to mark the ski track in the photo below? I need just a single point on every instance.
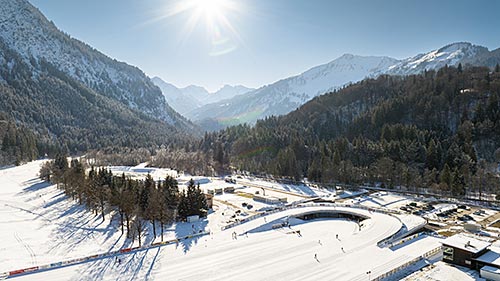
(27, 247)
(60, 230)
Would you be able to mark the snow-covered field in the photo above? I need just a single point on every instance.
(442, 271)
(39, 225)
(383, 199)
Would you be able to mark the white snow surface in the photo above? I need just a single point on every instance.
(442, 271)
(39, 225)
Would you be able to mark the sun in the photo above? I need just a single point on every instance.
(213, 10)
(214, 16)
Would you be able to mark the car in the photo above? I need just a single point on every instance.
(249, 206)
(244, 204)
(468, 217)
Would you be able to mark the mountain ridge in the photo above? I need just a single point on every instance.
(27, 31)
(187, 99)
(289, 93)
(74, 97)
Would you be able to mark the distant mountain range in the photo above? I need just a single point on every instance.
(288, 94)
(63, 88)
(187, 99)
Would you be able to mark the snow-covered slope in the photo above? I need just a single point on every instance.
(24, 29)
(40, 225)
(179, 100)
(187, 99)
(227, 92)
(286, 95)
(451, 55)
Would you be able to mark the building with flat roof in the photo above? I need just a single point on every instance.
(463, 250)
(490, 273)
(488, 264)
(491, 257)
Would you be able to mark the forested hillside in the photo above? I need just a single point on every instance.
(19, 144)
(437, 130)
(72, 98)
(67, 114)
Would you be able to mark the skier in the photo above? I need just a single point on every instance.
(316, 256)
(337, 236)
(319, 242)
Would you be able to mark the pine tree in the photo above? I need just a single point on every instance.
(184, 207)
(457, 183)
(46, 170)
(60, 168)
(445, 176)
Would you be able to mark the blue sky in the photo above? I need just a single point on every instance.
(268, 39)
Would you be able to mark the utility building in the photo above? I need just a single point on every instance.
(463, 250)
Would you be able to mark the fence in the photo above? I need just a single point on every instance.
(426, 255)
(50, 266)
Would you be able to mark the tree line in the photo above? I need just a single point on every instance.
(136, 201)
(437, 131)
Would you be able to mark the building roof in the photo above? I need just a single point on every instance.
(491, 257)
(491, 269)
(466, 243)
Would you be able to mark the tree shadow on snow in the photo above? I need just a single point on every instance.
(122, 267)
(183, 229)
(36, 186)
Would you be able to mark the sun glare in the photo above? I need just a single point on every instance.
(212, 9)
(213, 15)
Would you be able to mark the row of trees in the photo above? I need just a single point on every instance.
(136, 201)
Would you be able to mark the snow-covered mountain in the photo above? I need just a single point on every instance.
(288, 94)
(451, 55)
(24, 29)
(226, 92)
(181, 101)
(188, 99)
